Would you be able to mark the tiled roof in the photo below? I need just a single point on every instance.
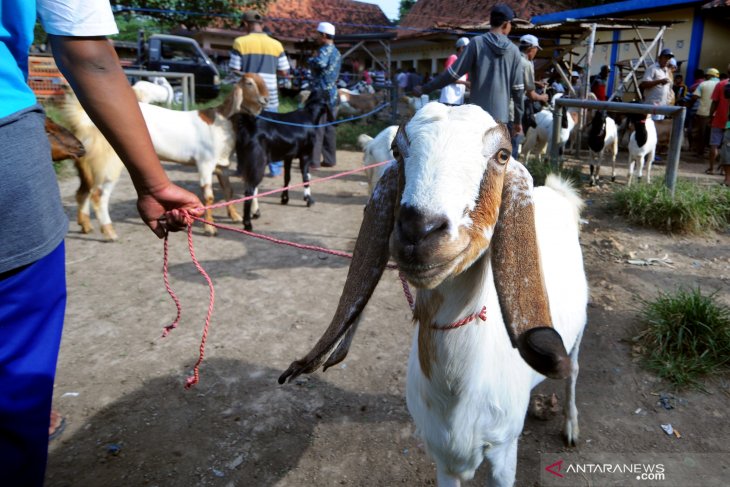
(717, 3)
(298, 19)
(450, 14)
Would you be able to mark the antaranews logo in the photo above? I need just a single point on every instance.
(641, 471)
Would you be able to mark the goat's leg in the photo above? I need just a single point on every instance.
(445, 480)
(248, 190)
(102, 211)
(641, 168)
(502, 464)
(614, 153)
(571, 430)
(83, 200)
(632, 163)
(304, 163)
(287, 180)
(225, 181)
(208, 199)
(255, 211)
(650, 161)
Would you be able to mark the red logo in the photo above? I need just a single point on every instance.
(556, 466)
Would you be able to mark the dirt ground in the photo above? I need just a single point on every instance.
(130, 422)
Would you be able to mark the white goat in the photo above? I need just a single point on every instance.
(158, 90)
(99, 170)
(602, 138)
(206, 138)
(642, 145)
(539, 139)
(466, 228)
(376, 150)
(414, 103)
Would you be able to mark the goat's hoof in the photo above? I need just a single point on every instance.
(108, 232)
(613, 179)
(543, 350)
(284, 200)
(570, 433)
(247, 226)
(256, 215)
(309, 200)
(210, 231)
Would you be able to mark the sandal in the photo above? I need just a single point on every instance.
(57, 425)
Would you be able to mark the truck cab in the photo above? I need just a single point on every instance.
(184, 55)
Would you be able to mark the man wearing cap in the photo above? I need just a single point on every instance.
(720, 127)
(453, 94)
(258, 53)
(325, 66)
(656, 84)
(599, 84)
(575, 82)
(529, 46)
(495, 70)
(703, 93)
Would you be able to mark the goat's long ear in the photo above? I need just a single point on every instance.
(519, 279)
(233, 102)
(369, 260)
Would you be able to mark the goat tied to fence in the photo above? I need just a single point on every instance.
(602, 139)
(99, 169)
(376, 150)
(206, 137)
(642, 145)
(465, 227)
(259, 141)
(157, 90)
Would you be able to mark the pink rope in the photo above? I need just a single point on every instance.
(482, 315)
(166, 331)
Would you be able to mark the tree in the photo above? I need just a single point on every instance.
(405, 7)
(193, 15)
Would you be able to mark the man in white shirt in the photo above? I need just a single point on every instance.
(453, 94)
(703, 93)
(656, 84)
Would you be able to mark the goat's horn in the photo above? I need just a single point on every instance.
(368, 263)
(519, 280)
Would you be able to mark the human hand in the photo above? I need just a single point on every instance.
(161, 209)
(664, 81)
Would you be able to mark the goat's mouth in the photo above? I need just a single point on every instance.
(429, 274)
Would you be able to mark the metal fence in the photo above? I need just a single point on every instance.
(188, 82)
(677, 113)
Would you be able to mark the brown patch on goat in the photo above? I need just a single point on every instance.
(424, 312)
(64, 145)
(207, 115)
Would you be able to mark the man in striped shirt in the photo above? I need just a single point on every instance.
(258, 53)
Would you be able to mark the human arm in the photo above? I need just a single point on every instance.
(518, 93)
(459, 68)
(91, 66)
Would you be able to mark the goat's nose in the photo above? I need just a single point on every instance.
(416, 226)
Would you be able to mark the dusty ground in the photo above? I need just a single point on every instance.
(130, 422)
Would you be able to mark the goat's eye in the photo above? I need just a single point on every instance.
(503, 156)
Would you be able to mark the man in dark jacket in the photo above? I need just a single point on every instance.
(495, 70)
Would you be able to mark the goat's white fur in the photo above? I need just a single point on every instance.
(643, 154)
(158, 90)
(376, 150)
(539, 139)
(474, 403)
(610, 146)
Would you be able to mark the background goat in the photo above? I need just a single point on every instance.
(602, 138)
(64, 145)
(642, 144)
(461, 220)
(539, 139)
(352, 103)
(157, 90)
(99, 170)
(206, 137)
(260, 141)
(376, 150)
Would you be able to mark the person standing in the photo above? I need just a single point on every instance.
(325, 66)
(529, 46)
(32, 254)
(600, 84)
(703, 94)
(258, 53)
(719, 118)
(656, 84)
(402, 80)
(453, 94)
(495, 70)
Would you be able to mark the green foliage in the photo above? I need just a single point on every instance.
(540, 170)
(194, 15)
(685, 336)
(694, 209)
(129, 24)
(405, 7)
(347, 133)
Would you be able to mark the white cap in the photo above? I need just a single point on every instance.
(529, 40)
(575, 73)
(462, 42)
(326, 28)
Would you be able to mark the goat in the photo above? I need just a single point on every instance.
(376, 150)
(602, 138)
(469, 232)
(352, 103)
(539, 139)
(413, 104)
(206, 137)
(99, 170)
(642, 145)
(158, 90)
(260, 141)
(64, 145)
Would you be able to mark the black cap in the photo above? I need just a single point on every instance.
(666, 52)
(500, 14)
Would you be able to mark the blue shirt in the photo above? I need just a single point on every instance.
(17, 18)
(325, 68)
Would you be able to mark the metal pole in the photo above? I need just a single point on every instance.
(675, 146)
(558, 115)
(633, 69)
(584, 88)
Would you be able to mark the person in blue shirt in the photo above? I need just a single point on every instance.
(32, 267)
(325, 66)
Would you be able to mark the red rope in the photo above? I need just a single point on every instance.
(482, 315)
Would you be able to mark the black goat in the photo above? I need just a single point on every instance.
(260, 141)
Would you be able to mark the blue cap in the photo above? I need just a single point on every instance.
(501, 13)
